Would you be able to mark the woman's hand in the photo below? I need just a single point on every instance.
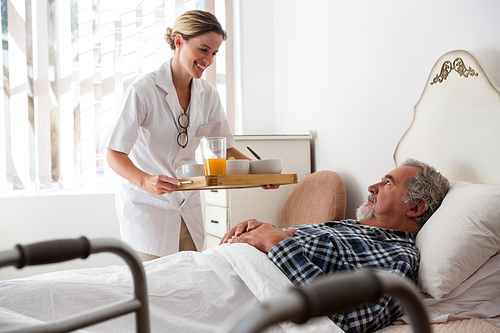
(122, 165)
(241, 228)
(159, 184)
(270, 187)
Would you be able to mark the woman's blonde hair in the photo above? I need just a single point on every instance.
(192, 24)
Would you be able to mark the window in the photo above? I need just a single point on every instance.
(66, 66)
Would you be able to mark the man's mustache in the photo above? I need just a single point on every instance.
(372, 198)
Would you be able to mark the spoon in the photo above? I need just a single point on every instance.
(254, 153)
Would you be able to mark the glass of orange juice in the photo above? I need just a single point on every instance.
(213, 151)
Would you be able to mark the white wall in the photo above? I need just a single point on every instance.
(352, 71)
(254, 65)
(51, 214)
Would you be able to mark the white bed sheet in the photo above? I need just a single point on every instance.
(188, 292)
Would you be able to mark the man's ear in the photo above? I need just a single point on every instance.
(418, 209)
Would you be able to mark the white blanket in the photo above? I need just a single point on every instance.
(188, 292)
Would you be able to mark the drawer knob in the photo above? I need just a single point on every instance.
(214, 221)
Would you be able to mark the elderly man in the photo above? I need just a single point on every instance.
(382, 237)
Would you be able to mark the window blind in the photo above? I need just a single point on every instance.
(66, 66)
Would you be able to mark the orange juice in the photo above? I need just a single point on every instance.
(215, 166)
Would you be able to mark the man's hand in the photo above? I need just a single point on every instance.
(263, 238)
(241, 228)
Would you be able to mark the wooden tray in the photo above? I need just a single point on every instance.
(236, 181)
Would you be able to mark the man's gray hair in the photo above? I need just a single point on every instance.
(429, 185)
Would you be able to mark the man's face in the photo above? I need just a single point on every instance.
(385, 207)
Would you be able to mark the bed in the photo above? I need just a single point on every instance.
(454, 128)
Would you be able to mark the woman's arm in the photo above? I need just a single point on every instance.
(123, 166)
(238, 155)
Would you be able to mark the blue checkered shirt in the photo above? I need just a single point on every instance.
(326, 248)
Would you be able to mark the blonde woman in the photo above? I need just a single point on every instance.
(161, 120)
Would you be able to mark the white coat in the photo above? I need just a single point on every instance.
(146, 129)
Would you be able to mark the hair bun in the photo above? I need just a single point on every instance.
(169, 38)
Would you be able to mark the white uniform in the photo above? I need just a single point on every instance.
(146, 129)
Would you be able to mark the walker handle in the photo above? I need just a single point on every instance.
(53, 251)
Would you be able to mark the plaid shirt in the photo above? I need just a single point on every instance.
(326, 248)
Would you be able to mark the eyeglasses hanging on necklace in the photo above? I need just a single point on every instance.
(182, 137)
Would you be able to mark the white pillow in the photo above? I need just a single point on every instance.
(459, 237)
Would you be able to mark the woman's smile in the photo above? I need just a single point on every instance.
(200, 66)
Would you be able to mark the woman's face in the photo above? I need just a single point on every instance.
(197, 53)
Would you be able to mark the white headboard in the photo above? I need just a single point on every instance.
(456, 123)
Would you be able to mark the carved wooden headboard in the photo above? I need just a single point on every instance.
(456, 123)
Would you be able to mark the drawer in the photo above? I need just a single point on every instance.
(215, 220)
(216, 197)
(211, 241)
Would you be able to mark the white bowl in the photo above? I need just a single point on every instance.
(267, 166)
(237, 167)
